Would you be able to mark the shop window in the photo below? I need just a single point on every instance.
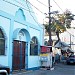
(34, 46)
(2, 43)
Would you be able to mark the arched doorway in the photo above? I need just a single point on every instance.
(19, 55)
(19, 49)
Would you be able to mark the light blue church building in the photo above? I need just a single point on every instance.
(20, 35)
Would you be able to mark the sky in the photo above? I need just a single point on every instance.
(56, 5)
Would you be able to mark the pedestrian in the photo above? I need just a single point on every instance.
(52, 61)
(57, 58)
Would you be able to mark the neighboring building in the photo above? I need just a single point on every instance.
(20, 35)
(68, 37)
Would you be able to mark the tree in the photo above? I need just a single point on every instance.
(60, 22)
(68, 18)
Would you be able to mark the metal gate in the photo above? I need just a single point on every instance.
(18, 55)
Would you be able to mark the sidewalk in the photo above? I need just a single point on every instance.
(59, 69)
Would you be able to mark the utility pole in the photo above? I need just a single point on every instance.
(50, 40)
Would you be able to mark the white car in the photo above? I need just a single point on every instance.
(3, 72)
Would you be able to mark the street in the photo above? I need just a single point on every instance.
(59, 69)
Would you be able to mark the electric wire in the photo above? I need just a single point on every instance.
(23, 5)
(36, 7)
(33, 6)
(31, 14)
(41, 3)
(58, 5)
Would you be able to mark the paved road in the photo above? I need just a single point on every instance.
(60, 69)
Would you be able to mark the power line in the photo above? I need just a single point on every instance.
(22, 5)
(57, 5)
(36, 8)
(42, 3)
(33, 6)
(31, 14)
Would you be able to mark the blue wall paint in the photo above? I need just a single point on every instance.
(8, 16)
(11, 43)
(5, 16)
(21, 17)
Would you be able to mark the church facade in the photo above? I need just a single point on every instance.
(20, 35)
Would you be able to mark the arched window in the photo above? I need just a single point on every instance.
(2, 43)
(34, 46)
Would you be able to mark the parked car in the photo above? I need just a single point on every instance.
(71, 59)
(4, 70)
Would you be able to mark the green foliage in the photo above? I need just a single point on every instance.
(60, 22)
(68, 18)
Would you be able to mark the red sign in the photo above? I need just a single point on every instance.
(45, 49)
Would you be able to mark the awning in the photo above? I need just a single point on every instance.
(61, 45)
(66, 49)
(57, 44)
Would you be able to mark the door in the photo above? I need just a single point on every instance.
(18, 55)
